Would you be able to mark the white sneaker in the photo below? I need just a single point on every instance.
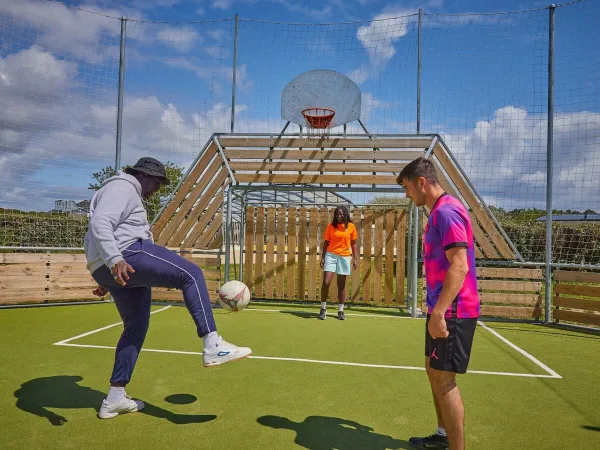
(224, 352)
(127, 405)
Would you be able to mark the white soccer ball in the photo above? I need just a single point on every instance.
(234, 295)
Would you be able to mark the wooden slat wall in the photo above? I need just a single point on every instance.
(249, 240)
(510, 292)
(44, 277)
(291, 255)
(355, 292)
(389, 256)
(211, 268)
(378, 267)
(260, 253)
(401, 229)
(299, 261)
(482, 215)
(313, 228)
(576, 297)
(366, 274)
(302, 218)
(280, 265)
(270, 254)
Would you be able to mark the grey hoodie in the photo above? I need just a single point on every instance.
(117, 219)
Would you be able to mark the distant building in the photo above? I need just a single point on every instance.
(71, 207)
(572, 218)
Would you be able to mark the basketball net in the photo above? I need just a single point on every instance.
(318, 121)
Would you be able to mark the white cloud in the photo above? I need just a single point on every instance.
(66, 31)
(182, 39)
(379, 38)
(505, 157)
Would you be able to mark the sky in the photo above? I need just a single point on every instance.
(484, 85)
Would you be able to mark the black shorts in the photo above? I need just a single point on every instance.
(453, 353)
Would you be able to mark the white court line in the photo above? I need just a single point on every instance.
(317, 361)
(387, 316)
(103, 328)
(552, 373)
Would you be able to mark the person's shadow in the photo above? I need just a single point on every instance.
(327, 433)
(302, 314)
(64, 391)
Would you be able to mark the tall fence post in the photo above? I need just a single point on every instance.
(419, 70)
(549, 166)
(415, 261)
(234, 77)
(120, 94)
(228, 233)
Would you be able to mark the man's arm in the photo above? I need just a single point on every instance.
(114, 205)
(455, 277)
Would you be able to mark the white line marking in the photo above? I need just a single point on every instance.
(103, 328)
(387, 316)
(552, 373)
(316, 361)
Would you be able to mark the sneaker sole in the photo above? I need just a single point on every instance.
(115, 414)
(228, 361)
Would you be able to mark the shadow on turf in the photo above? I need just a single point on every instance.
(319, 432)
(63, 391)
(591, 428)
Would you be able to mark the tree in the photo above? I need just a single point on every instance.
(154, 203)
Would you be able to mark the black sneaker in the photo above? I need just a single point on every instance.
(322, 314)
(341, 315)
(434, 441)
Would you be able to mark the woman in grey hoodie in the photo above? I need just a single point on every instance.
(124, 261)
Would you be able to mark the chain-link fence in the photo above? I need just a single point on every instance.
(479, 80)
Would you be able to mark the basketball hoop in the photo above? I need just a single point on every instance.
(318, 119)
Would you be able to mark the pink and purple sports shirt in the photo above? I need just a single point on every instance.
(449, 226)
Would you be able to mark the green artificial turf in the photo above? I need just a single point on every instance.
(49, 394)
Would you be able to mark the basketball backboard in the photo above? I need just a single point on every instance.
(321, 88)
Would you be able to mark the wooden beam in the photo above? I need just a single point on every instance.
(574, 289)
(482, 215)
(584, 277)
(508, 298)
(511, 311)
(509, 272)
(577, 303)
(316, 166)
(189, 202)
(212, 230)
(290, 142)
(327, 155)
(183, 190)
(574, 316)
(199, 208)
(315, 179)
(480, 238)
(199, 227)
(502, 285)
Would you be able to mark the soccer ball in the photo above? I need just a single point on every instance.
(234, 295)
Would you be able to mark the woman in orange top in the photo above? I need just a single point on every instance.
(339, 248)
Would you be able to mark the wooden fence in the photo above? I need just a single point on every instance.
(507, 292)
(283, 249)
(61, 277)
(577, 297)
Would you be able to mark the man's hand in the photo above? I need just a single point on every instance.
(119, 271)
(354, 263)
(437, 326)
(100, 291)
(322, 263)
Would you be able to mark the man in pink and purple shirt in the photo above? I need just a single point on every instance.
(452, 299)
